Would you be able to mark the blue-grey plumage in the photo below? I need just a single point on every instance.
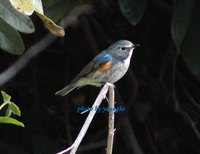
(108, 66)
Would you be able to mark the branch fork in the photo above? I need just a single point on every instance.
(99, 99)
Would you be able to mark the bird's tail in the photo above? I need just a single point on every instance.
(65, 90)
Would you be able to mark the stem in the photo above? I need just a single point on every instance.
(111, 120)
(4, 104)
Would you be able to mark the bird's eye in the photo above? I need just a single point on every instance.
(123, 48)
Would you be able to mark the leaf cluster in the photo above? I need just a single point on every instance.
(14, 17)
(12, 109)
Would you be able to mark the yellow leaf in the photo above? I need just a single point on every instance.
(26, 7)
(38, 6)
(51, 26)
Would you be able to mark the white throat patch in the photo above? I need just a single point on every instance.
(127, 61)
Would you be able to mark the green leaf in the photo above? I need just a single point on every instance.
(180, 20)
(17, 20)
(10, 39)
(133, 10)
(8, 113)
(26, 7)
(14, 108)
(9, 120)
(5, 96)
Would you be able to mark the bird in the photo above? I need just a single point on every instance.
(110, 65)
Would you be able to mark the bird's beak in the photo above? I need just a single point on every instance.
(135, 45)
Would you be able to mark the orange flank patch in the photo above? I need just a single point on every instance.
(105, 66)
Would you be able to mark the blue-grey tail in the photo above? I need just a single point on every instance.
(65, 90)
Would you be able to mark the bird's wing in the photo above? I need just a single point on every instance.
(101, 62)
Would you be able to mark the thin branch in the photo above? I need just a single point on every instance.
(178, 107)
(93, 145)
(186, 92)
(70, 19)
(89, 119)
(128, 129)
(131, 136)
(191, 98)
(191, 122)
(111, 119)
(25, 58)
(174, 63)
(67, 123)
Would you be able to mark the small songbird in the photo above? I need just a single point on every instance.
(108, 66)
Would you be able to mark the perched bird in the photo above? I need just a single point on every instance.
(108, 66)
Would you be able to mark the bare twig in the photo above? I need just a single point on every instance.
(128, 130)
(191, 122)
(186, 92)
(89, 119)
(131, 136)
(93, 145)
(174, 63)
(111, 120)
(178, 107)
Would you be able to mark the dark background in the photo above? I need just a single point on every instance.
(160, 92)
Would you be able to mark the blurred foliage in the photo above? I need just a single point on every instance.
(9, 13)
(133, 10)
(52, 6)
(180, 21)
(160, 91)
